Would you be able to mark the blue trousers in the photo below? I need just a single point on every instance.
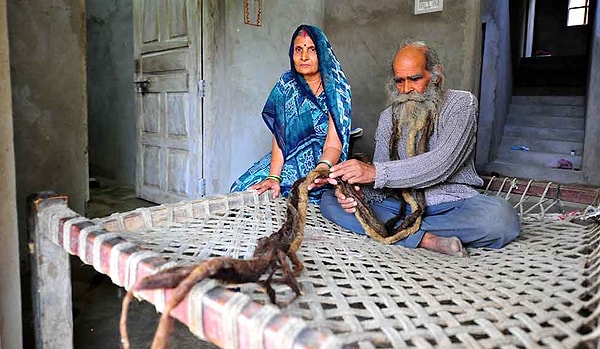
(480, 221)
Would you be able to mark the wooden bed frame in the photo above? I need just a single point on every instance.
(539, 291)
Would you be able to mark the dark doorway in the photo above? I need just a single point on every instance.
(550, 57)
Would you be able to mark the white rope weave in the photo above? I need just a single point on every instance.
(49, 221)
(133, 262)
(195, 310)
(231, 312)
(83, 234)
(67, 232)
(114, 261)
(542, 290)
(97, 245)
(259, 322)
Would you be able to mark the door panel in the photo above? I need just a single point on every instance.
(165, 61)
(168, 107)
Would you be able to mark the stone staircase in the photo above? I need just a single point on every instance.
(540, 133)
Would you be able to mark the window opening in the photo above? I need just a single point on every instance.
(578, 12)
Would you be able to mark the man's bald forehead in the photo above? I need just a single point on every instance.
(412, 50)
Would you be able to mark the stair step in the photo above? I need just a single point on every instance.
(552, 91)
(549, 100)
(542, 145)
(544, 133)
(541, 159)
(537, 173)
(548, 110)
(550, 126)
(558, 122)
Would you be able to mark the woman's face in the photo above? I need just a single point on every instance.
(306, 61)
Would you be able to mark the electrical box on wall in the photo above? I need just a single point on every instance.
(427, 6)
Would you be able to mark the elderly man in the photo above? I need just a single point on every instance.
(456, 215)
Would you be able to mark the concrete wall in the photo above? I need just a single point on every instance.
(110, 70)
(242, 63)
(591, 153)
(47, 60)
(10, 301)
(366, 34)
(496, 79)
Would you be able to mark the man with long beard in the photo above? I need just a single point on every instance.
(434, 163)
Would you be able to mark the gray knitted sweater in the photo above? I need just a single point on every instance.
(447, 170)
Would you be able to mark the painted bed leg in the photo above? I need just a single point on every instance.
(50, 279)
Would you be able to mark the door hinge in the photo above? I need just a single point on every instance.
(201, 88)
(202, 187)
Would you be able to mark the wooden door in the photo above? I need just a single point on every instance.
(168, 105)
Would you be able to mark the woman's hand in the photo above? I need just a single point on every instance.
(319, 182)
(267, 184)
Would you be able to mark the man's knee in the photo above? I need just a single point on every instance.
(498, 235)
(501, 225)
(329, 205)
(331, 209)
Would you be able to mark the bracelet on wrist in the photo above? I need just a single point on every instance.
(275, 177)
(326, 162)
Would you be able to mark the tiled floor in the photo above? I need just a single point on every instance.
(97, 301)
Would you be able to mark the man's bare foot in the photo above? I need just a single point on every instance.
(451, 246)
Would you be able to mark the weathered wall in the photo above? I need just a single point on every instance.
(242, 62)
(366, 34)
(246, 61)
(111, 118)
(591, 154)
(47, 60)
(10, 301)
(496, 79)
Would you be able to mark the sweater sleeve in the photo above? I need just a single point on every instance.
(454, 140)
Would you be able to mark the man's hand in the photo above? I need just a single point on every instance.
(347, 203)
(354, 172)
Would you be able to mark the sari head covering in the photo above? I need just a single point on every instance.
(335, 85)
(299, 120)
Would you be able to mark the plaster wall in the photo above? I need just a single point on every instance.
(242, 62)
(591, 154)
(110, 70)
(496, 80)
(366, 34)
(245, 62)
(10, 302)
(47, 61)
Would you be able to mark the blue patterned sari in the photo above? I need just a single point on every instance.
(298, 119)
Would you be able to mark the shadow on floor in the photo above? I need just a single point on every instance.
(97, 301)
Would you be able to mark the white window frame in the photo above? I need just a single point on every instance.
(586, 7)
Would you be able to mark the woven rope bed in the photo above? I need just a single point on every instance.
(539, 291)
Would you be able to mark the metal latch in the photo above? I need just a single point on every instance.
(142, 86)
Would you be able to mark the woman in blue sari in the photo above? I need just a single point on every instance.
(308, 112)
